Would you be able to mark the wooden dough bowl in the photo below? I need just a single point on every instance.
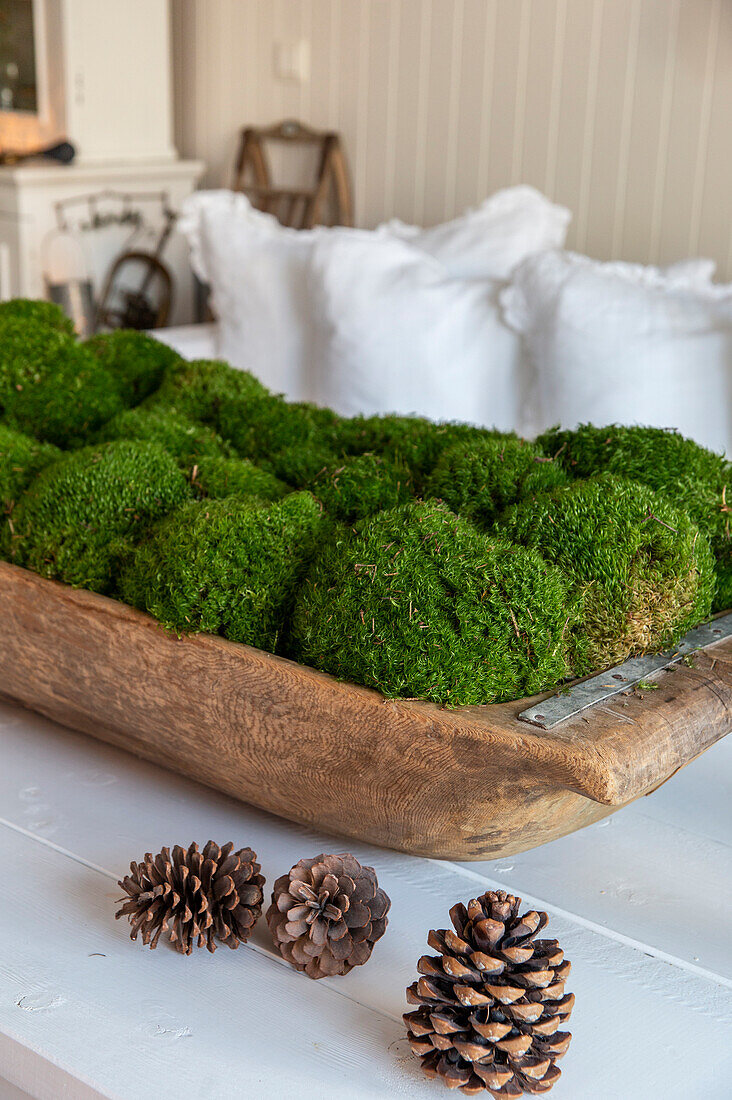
(468, 783)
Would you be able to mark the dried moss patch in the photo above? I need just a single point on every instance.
(184, 439)
(227, 567)
(82, 514)
(416, 602)
(360, 486)
(480, 478)
(136, 361)
(216, 477)
(643, 570)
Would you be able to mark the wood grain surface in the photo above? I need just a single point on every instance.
(468, 783)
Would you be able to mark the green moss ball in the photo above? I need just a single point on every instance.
(21, 458)
(265, 427)
(135, 360)
(33, 311)
(417, 602)
(411, 440)
(480, 478)
(690, 476)
(217, 476)
(228, 567)
(200, 388)
(28, 351)
(81, 515)
(184, 439)
(51, 387)
(357, 487)
(643, 570)
(301, 464)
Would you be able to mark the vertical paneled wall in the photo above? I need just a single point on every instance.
(620, 109)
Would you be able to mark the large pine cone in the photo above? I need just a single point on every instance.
(213, 894)
(492, 1001)
(327, 914)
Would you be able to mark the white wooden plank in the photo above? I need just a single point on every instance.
(30, 1076)
(131, 1023)
(103, 807)
(12, 1092)
(636, 871)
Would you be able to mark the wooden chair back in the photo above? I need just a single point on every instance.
(298, 207)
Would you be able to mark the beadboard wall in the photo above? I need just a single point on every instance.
(619, 109)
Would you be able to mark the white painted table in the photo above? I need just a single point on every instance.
(641, 903)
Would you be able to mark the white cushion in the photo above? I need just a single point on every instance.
(190, 341)
(621, 343)
(258, 272)
(405, 337)
(271, 312)
(488, 242)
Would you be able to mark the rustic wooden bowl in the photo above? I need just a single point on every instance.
(468, 783)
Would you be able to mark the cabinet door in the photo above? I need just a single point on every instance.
(118, 80)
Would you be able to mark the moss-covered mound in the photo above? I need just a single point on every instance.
(135, 360)
(301, 464)
(216, 476)
(264, 427)
(360, 486)
(416, 602)
(34, 311)
(21, 458)
(82, 514)
(227, 567)
(199, 389)
(480, 478)
(644, 572)
(186, 440)
(690, 476)
(411, 440)
(51, 387)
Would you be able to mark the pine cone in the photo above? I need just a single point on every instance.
(327, 914)
(213, 894)
(491, 1001)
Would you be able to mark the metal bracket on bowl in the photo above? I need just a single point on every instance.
(567, 703)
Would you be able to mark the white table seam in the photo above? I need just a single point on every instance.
(704, 837)
(465, 872)
(592, 926)
(267, 953)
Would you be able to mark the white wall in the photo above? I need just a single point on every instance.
(621, 109)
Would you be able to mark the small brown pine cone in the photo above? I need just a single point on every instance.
(491, 1002)
(327, 914)
(215, 894)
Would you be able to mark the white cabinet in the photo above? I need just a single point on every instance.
(104, 82)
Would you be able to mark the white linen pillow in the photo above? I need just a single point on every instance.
(405, 337)
(621, 343)
(258, 272)
(260, 275)
(489, 241)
